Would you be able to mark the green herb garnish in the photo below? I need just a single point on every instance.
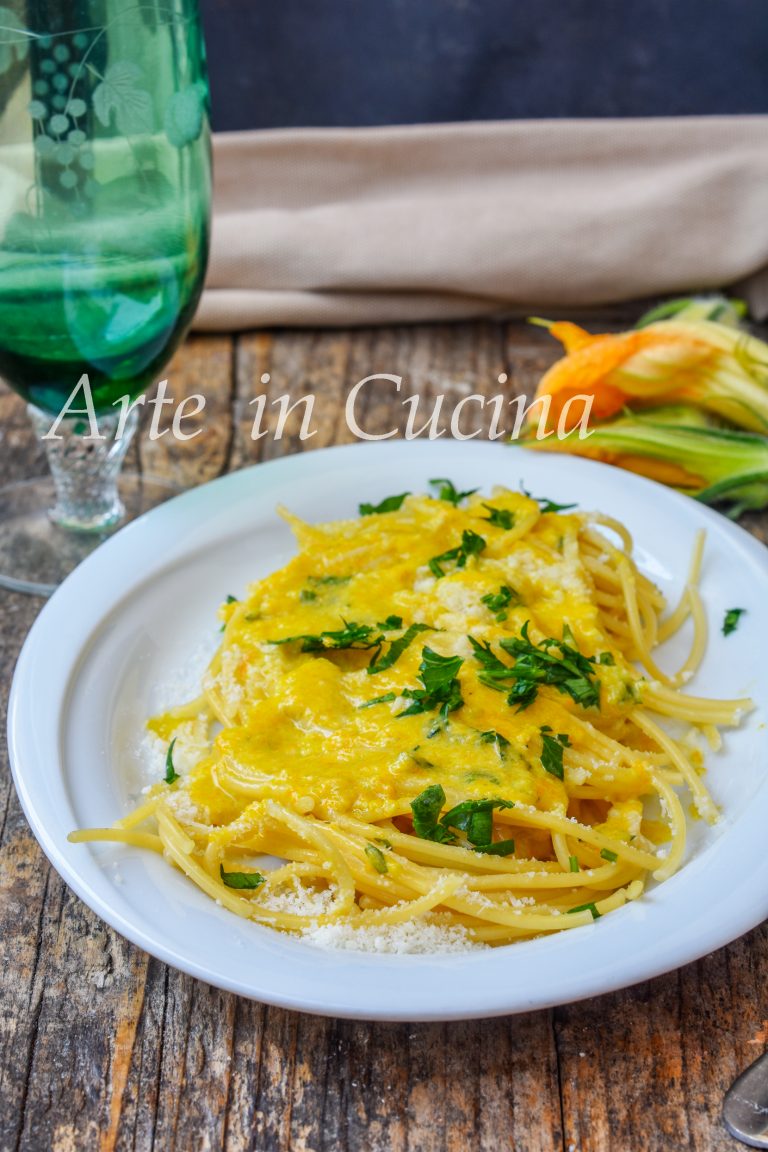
(441, 688)
(352, 635)
(170, 772)
(606, 854)
(388, 504)
(426, 809)
(391, 623)
(552, 752)
(377, 858)
(308, 594)
(607, 659)
(731, 621)
(573, 863)
(241, 880)
(499, 517)
(499, 602)
(496, 848)
(396, 648)
(229, 600)
(448, 492)
(545, 504)
(500, 676)
(474, 817)
(534, 665)
(500, 742)
(471, 545)
(592, 907)
(385, 699)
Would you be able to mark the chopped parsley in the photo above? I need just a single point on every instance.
(473, 817)
(499, 517)
(573, 863)
(536, 664)
(170, 772)
(377, 858)
(591, 907)
(606, 854)
(496, 848)
(391, 623)
(731, 621)
(447, 491)
(396, 648)
(471, 545)
(309, 594)
(426, 809)
(500, 742)
(388, 504)
(385, 699)
(607, 659)
(552, 752)
(243, 880)
(500, 676)
(470, 777)
(352, 635)
(229, 600)
(329, 581)
(570, 672)
(441, 689)
(545, 504)
(630, 693)
(499, 602)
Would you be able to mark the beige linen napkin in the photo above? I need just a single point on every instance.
(439, 222)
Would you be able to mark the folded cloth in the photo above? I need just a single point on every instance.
(436, 222)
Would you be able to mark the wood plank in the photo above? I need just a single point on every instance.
(648, 1067)
(324, 367)
(203, 366)
(24, 876)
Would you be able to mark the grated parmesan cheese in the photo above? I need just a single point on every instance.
(417, 937)
(226, 680)
(183, 806)
(298, 900)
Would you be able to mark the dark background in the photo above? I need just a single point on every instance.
(303, 63)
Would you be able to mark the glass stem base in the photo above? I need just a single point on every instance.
(36, 553)
(85, 460)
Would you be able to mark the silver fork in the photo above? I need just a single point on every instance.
(745, 1108)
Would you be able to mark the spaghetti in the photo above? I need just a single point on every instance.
(445, 711)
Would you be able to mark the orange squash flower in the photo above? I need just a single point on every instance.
(710, 365)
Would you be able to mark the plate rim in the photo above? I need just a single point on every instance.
(19, 748)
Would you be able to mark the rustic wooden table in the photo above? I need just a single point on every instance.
(105, 1048)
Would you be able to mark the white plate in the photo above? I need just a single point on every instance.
(140, 607)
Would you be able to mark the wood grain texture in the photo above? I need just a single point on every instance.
(104, 1048)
